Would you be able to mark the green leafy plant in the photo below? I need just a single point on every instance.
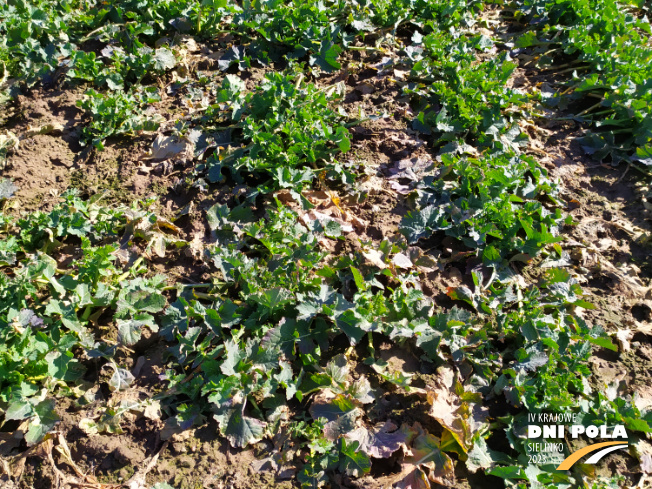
(118, 113)
(458, 97)
(41, 339)
(494, 205)
(290, 130)
(607, 43)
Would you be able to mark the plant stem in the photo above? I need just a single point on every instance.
(208, 297)
(573, 68)
(357, 122)
(87, 312)
(565, 65)
(366, 48)
(603, 112)
(126, 274)
(186, 286)
(595, 106)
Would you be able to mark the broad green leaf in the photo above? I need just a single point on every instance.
(330, 407)
(359, 279)
(232, 363)
(340, 412)
(483, 457)
(352, 461)
(242, 430)
(46, 418)
(604, 342)
(419, 224)
(353, 325)
(644, 154)
(19, 410)
(272, 299)
(164, 60)
(58, 363)
(239, 429)
(129, 331)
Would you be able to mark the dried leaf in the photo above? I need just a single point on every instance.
(381, 441)
(153, 410)
(412, 169)
(365, 88)
(167, 147)
(121, 379)
(646, 463)
(622, 337)
(45, 129)
(425, 453)
(375, 257)
(458, 417)
(88, 426)
(401, 261)
(324, 219)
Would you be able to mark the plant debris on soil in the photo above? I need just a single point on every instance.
(355, 244)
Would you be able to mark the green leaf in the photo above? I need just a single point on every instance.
(217, 216)
(129, 331)
(233, 358)
(332, 229)
(19, 410)
(143, 299)
(340, 412)
(58, 363)
(352, 461)
(483, 457)
(358, 278)
(643, 154)
(637, 425)
(313, 303)
(46, 418)
(491, 256)
(511, 472)
(234, 85)
(272, 299)
(352, 324)
(242, 430)
(163, 60)
(419, 224)
(331, 409)
(526, 39)
(327, 57)
(239, 429)
(604, 342)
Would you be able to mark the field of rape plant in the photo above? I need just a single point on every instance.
(325, 244)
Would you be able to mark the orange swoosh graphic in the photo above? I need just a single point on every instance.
(575, 456)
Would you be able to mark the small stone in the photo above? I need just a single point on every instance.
(179, 447)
